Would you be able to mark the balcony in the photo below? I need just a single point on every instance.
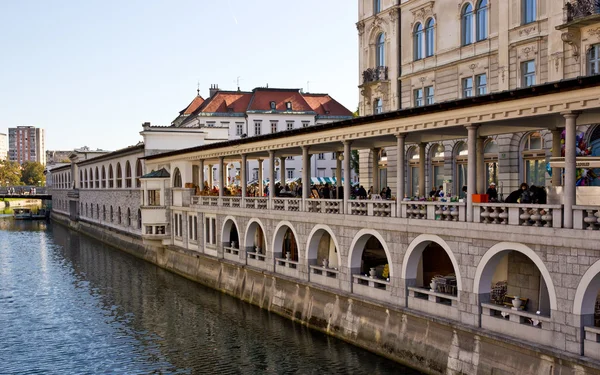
(581, 13)
(375, 75)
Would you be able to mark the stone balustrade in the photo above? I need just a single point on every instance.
(518, 323)
(592, 342)
(231, 253)
(372, 287)
(287, 204)
(234, 202)
(537, 215)
(586, 217)
(436, 210)
(378, 208)
(324, 206)
(433, 302)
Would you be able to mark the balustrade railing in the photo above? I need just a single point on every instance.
(372, 208)
(325, 206)
(536, 215)
(436, 210)
(371, 282)
(322, 271)
(257, 203)
(234, 202)
(578, 9)
(586, 217)
(287, 204)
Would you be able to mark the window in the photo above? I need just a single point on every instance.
(481, 81)
(482, 20)
(138, 173)
(210, 226)
(128, 217)
(380, 50)
(239, 128)
(119, 176)
(290, 158)
(333, 155)
(534, 159)
(461, 159)
(211, 124)
(418, 41)
(195, 228)
(429, 94)
(257, 127)
(467, 25)
(528, 73)
(467, 87)
(290, 125)
(272, 105)
(177, 183)
(273, 126)
(153, 197)
(529, 11)
(288, 106)
(321, 156)
(490, 150)
(413, 161)
(378, 106)
(305, 124)
(376, 6)
(429, 40)
(418, 94)
(594, 60)
(437, 164)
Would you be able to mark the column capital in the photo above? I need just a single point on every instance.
(271, 153)
(305, 147)
(347, 142)
(401, 135)
(570, 114)
(472, 126)
(221, 158)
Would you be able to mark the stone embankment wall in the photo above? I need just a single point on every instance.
(431, 344)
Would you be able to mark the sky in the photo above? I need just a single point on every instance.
(91, 72)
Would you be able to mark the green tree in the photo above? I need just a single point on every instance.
(33, 173)
(10, 173)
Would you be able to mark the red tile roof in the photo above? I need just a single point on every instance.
(324, 104)
(222, 101)
(262, 98)
(197, 102)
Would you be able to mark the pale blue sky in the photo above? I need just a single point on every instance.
(90, 72)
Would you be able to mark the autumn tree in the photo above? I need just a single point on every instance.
(33, 173)
(10, 173)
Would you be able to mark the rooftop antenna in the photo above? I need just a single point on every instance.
(198, 90)
(237, 82)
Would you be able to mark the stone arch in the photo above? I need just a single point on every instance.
(111, 177)
(138, 173)
(228, 224)
(250, 231)
(487, 266)
(128, 182)
(119, 176)
(312, 244)
(414, 252)
(85, 180)
(177, 183)
(97, 179)
(357, 247)
(103, 179)
(278, 240)
(587, 291)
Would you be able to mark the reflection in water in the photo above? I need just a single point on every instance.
(71, 305)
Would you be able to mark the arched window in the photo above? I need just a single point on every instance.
(378, 106)
(437, 165)
(91, 184)
(85, 180)
(593, 60)
(482, 20)
(461, 155)
(97, 211)
(103, 212)
(534, 159)
(490, 150)
(119, 176)
(380, 50)
(138, 173)
(97, 179)
(139, 219)
(429, 37)
(418, 41)
(376, 6)
(92, 210)
(467, 25)
(81, 179)
(103, 177)
(111, 214)
(111, 177)
(413, 165)
(177, 178)
(119, 215)
(128, 217)
(128, 182)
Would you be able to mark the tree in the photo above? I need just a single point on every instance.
(33, 173)
(10, 173)
(354, 161)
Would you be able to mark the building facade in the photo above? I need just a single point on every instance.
(444, 51)
(3, 146)
(265, 111)
(26, 143)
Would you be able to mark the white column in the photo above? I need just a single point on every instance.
(243, 174)
(556, 148)
(338, 173)
(569, 197)
(347, 182)
(305, 172)
(400, 168)
(472, 169)
(261, 187)
(282, 171)
(481, 183)
(221, 175)
(422, 162)
(271, 177)
(375, 168)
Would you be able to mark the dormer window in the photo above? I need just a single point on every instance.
(288, 106)
(273, 105)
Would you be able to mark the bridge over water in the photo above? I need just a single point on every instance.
(25, 192)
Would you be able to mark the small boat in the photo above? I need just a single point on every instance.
(42, 214)
(22, 214)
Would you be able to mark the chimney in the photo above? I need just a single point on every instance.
(213, 90)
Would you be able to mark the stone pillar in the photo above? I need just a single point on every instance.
(481, 182)
(338, 173)
(222, 183)
(471, 166)
(569, 194)
(211, 177)
(271, 178)
(261, 187)
(243, 178)
(375, 168)
(201, 174)
(347, 183)
(556, 148)
(400, 177)
(305, 172)
(282, 170)
(422, 162)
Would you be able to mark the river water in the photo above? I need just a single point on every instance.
(72, 305)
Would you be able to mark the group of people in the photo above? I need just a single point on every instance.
(20, 191)
(528, 194)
